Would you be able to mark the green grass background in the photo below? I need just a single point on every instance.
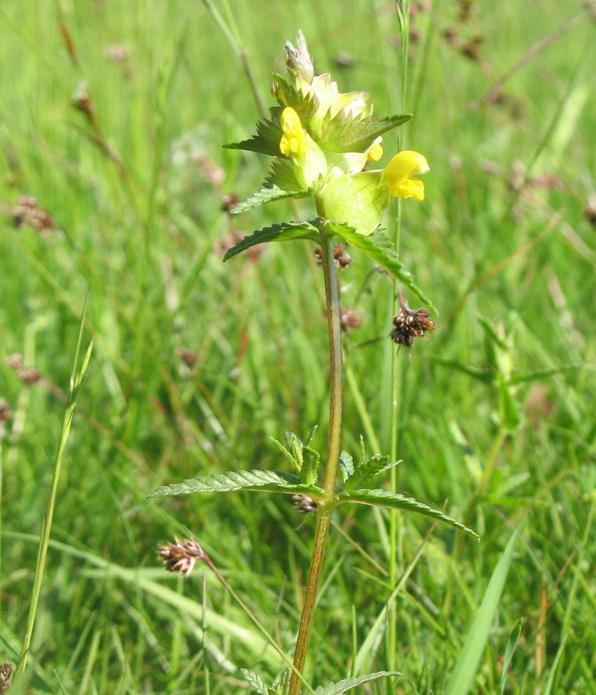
(111, 620)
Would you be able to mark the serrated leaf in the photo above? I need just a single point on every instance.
(378, 247)
(356, 200)
(393, 500)
(281, 683)
(255, 681)
(257, 481)
(265, 195)
(368, 470)
(286, 231)
(343, 133)
(349, 683)
(266, 141)
(346, 465)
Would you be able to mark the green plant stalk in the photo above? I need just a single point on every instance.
(333, 451)
(403, 13)
(76, 379)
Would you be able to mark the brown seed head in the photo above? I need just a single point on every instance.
(590, 210)
(304, 504)
(29, 214)
(188, 357)
(5, 673)
(341, 257)
(29, 376)
(14, 361)
(5, 412)
(181, 556)
(410, 324)
(349, 320)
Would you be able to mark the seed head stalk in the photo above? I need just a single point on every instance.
(333, 451)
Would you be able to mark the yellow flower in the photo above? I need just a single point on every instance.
(294, 136)
(307, 157)
(400, 172)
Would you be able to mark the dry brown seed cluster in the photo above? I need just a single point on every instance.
(5, 673)
(5, 412)
(304, 504)
(341, 257)
(28, 214)
(181, 556)
(410, 324)
(349, 319)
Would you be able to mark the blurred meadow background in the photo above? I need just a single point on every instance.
(113, 182)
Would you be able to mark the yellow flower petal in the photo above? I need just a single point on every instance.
(405, 164)
(375, 151)
(400, 172)
(408, 188)
(294, 136)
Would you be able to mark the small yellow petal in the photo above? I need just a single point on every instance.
(403, 165)
(375, 151)
(294, 136)
(408, 188)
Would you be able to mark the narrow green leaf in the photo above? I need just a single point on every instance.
(257, 481)
(310, 469)
(509, 411)
(368, 470)
(286, 231)
(392, 500)
(265, 195)
(469, 659)
(509, 651)
(349, 683)
(345, 134)
(378, 247)
(346, 465)
(255, 681)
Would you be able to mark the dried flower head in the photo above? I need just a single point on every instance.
(29, 214)
(5, 674)
(14, 361)
(5, 412)
(188, 357)
(29, 376)
(181, 556)
(304, 504)
(349, 319)
(341, 257)
(410, 324)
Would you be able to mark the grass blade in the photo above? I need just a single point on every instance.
(471, 653)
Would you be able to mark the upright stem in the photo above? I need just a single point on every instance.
(403, 11)
(333, 451)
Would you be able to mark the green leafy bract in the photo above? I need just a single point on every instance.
(356, 200)
(265, 195)
(266, 141)
(252, 481)
(349, 683)
(378, 247)
(288, 95)
(343, 133)
(286, 231)
(393, 500)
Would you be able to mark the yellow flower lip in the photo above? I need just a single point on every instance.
(294, 136)
(400, 174)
